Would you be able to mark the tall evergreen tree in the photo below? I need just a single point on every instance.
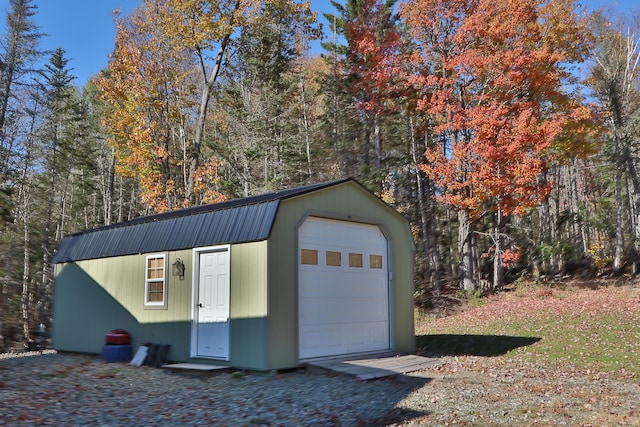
(264, 148)
(342, 126)
(18, 53)
(63, 153)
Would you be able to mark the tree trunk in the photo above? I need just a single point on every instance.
(453, 265)
(377, 148)
(467, 252)
(557, 257)
(544, 225)
(47, 249)
(207, 87)
(366, 154)
(24, 301)
(26, 268)
(120, 200)
(635, 198)
(109, 189)
(428, 235)
(631, 223)
(498, 241)
(305, 122)
(619, 250)
(579, 222)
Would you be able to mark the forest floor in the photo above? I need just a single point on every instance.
(567, 354)
(532, 356)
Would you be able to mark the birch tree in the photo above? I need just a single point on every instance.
(615, 78)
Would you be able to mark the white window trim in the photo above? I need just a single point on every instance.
(155, 304)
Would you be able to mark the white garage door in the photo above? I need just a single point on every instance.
(343, 288)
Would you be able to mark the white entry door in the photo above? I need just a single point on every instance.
(343, 288)
(211, 314)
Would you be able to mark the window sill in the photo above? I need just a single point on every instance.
(155, 306)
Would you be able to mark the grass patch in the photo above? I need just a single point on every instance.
(598, 329)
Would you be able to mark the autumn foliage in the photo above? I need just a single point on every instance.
(156, 90)
(372, 67)
(492, 75)
(149, 91)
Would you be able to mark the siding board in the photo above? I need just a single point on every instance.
(249, 304)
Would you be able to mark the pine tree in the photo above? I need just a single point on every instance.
(62, 153)
(260, 94)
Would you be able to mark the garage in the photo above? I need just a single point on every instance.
(265, 282)
(343, 288)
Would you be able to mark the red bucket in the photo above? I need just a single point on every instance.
(118, 337)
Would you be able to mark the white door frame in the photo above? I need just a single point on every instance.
(193, 352)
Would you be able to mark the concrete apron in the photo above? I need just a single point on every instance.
(374, 367)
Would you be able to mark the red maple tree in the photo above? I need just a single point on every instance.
(493, 79)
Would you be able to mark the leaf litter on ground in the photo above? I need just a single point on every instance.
(554, 357)
(597, 328)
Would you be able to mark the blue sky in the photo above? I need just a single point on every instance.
(85, 30)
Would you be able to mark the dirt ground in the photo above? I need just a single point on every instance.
(60, 389)
(552, 378)
(480, 381)
(499, 391)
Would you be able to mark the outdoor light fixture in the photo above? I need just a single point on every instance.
(178, 268)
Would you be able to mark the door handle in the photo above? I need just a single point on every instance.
(200, 305)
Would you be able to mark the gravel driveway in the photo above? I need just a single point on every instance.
(73, 390)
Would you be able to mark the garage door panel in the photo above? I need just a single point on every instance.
(369, 334)
(348, 291)
(317, 283)
(319, 311)
(341, 340)
(343, 308)
(373, 287)
(326, 311)
(316, 342)
(380, 335)
(369, 337)
(344, 292)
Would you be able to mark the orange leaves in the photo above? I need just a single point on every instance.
(373, 63)
(151, 93)
(207, 179)
(492, 76)
(510, 257)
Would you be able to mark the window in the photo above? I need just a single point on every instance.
(375, 261)
(309, 257)
(355, 260)
(155, 281)
(333, 259)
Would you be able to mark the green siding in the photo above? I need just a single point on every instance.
(123, 278)
(93, 297)
(248, 305)
(249, 280)
(347, 201)
(108, 293)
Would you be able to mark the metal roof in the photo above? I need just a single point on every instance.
(241, 220)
